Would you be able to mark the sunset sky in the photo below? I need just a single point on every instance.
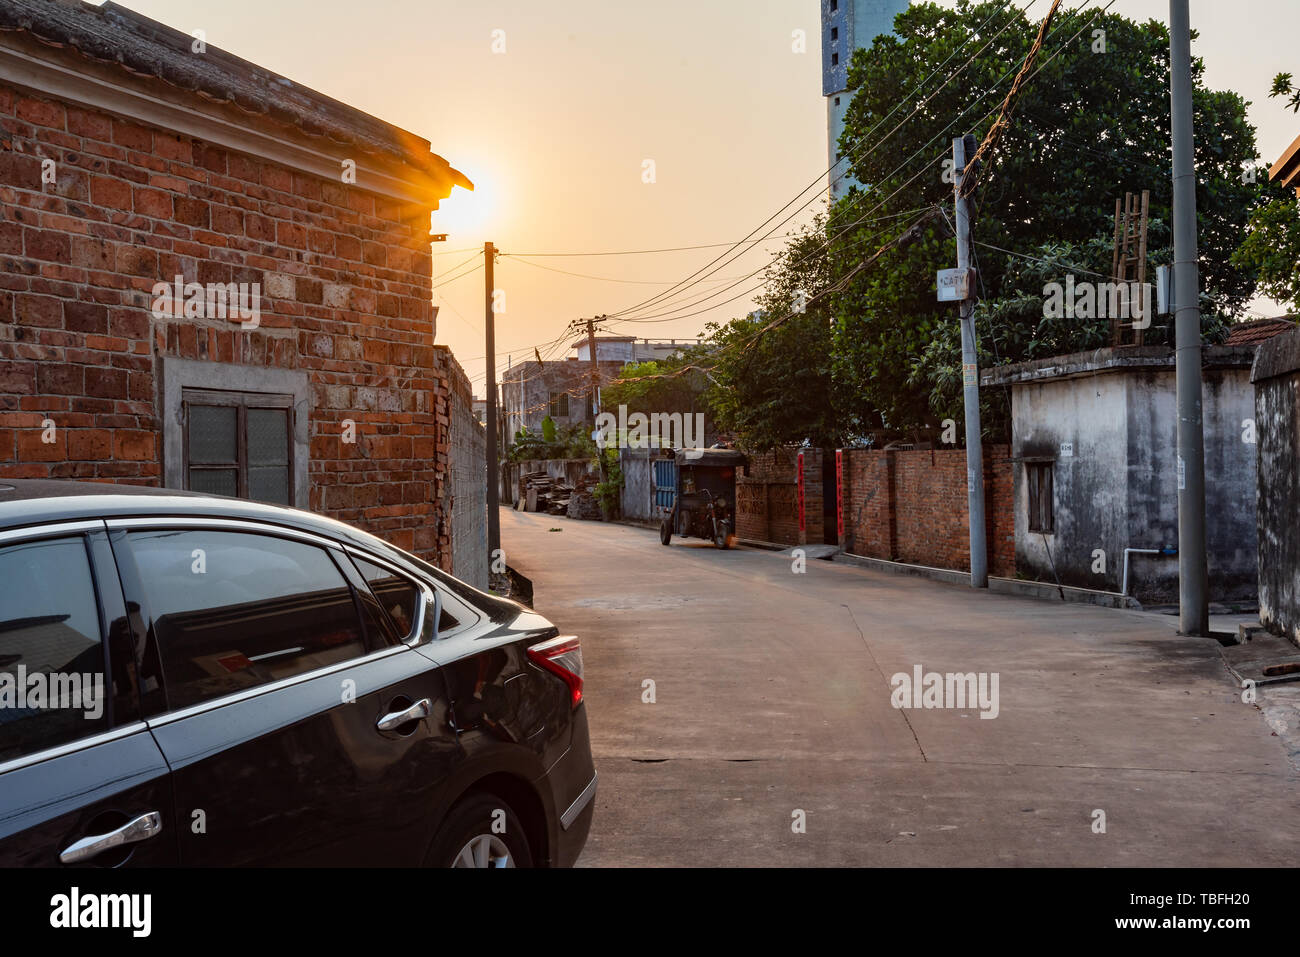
(555, 130)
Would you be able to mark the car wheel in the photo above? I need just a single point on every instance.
(481, 831)
(665, 533)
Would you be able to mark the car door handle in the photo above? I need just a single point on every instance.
(141, 829)
(395, 719)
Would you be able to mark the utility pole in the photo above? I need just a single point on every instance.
(493, 470)
(595, 369)
(979, 570)
(1193, 602)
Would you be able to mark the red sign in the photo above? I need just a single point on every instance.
(800, 489)
(839, 496)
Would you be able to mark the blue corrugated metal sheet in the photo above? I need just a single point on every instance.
(665, 483)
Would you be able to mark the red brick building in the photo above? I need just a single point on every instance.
(135, 159)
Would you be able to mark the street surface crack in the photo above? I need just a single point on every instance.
(867, 645)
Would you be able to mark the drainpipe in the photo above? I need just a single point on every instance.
(1142, 551)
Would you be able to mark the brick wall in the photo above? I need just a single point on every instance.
(345, 280)
(911, 506)
(767, 502)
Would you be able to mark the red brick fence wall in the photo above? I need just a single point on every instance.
(911, 507)
(905, 506)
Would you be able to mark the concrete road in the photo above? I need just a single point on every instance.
(772, 697)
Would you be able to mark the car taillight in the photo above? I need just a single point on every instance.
(562, 656)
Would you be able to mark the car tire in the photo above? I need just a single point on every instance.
(467, 837)
(665, 533)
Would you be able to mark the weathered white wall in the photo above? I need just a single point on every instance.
(1090, 495)
(1227, 401)
(1119, 489)
(1277, 410)
(638, 483)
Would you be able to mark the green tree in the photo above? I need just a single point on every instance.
(771, 381)
(1283, 85)
(1272, 245)
(1087, 127)
(1272, 250)
(662, 385)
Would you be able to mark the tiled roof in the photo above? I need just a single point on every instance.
(143, 47)
(1256, 331)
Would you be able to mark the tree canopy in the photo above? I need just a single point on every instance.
(849, 341)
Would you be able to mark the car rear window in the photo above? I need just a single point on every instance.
(52, 685)
(233, 610)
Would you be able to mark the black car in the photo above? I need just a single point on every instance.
(195, 680)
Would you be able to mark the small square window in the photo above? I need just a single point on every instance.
(239, 444)
(835, 33)
(837, 101)
(835, 59)
(559, 404)
(1042, 512)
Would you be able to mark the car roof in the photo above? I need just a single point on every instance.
(26, 502)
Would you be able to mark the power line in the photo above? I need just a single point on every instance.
(1045, 262)
(865, 193)
(825, 244)
(665, 317)
(638, 252)
(447, 282)
(465, 262)
(639, 282)
(840, 283)
(818, 179)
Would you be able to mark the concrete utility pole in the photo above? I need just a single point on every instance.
(493, 470)
(1193, 602)
(595, 369)
(979, 565)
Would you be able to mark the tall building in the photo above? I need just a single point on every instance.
(846, 26)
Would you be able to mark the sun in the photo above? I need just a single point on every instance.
(468, 218)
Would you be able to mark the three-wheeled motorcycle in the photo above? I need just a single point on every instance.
(696, 492)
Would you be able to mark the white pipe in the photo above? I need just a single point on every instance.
(1135, 551)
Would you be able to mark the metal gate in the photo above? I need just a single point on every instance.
(665, 483)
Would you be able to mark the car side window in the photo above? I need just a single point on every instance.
(233, 610)
(52, 681)
(400, 596)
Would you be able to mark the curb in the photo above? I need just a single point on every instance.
(1000, 586)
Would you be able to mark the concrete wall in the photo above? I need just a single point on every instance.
(1109, 422)
(526, 391)
(1091, 499)
(1227, 403)
(1276, 379)
(468, 472)
(563, 470)
(638, 483)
